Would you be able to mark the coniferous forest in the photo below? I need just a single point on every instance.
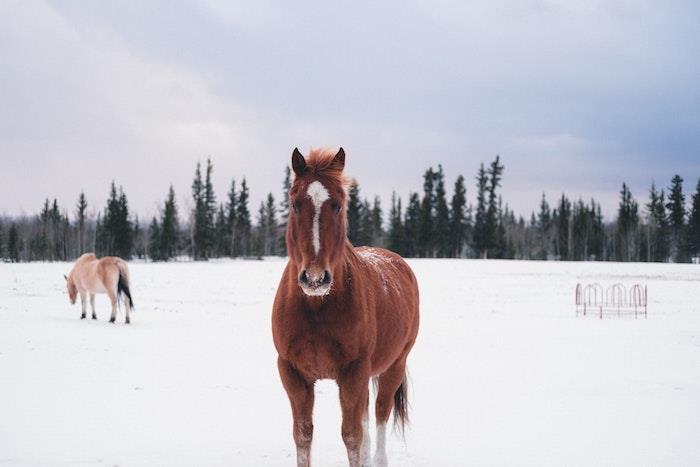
(438, 221)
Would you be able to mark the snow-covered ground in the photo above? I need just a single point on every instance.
(503, 372)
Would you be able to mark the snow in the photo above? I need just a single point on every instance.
(503, 372)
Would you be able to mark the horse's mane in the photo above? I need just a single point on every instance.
(321, 162)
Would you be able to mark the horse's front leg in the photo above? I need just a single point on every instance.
(354, 396)
(83, 304)
(92, 305)
(301, 396)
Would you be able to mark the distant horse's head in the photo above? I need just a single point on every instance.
(72, 290)
(317, 227)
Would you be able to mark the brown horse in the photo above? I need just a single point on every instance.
(342, 313)
(91, 276)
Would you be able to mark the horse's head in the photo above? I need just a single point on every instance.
(317, 226)
(72, 290)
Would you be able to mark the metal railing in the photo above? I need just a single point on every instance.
(616, 299)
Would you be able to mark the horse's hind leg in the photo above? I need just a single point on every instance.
(127, 308)
(92, 305)
(389, 383)
(113, 298)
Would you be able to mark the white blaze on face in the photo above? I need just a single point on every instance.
(318, 194)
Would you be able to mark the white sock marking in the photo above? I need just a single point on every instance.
(318, 194)
(380, 459)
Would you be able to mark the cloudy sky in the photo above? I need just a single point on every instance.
(575, 96)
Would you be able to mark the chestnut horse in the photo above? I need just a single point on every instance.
(342, 313)
(91, 276)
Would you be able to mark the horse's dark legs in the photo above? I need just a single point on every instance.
(389, 383)
(113, 298)
(83, 304)
(92, 305)
(301, 396)
(354, 396)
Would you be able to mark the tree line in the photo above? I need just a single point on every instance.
(429, 224)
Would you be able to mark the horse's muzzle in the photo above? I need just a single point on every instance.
(315, 283)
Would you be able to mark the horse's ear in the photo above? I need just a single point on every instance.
(298, 163)
(65, 277)
(339, 159)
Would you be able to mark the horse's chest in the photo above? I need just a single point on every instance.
(320, 356)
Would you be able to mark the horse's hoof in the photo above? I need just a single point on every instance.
(94, 316)
(82, 317)
(127, 321)
(111, 320)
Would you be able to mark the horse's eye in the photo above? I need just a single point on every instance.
(336, 208)
(296, 206)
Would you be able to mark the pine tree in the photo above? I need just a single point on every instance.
(412, 226)
(426, 242)
(366, 225)
(480, 221)
(243, 224)
(354, 207)
(259, 234)
(2, 241)
(693, 240)
(676, 216)
(210, 209)
(124, 240)
(200, 234)
(395, 236)
(13, 242)
(442, 216)
(80, 217)
(458, 219)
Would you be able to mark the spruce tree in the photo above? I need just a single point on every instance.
(377, 221)
(480, 220)
(271, 228)
(354, 207)
(155, 247)
(220, 233)
(80, 217)
(395, 235)
(676, 217)
(426, 241)
(494, 237)
(563, 230)
(657, 235)
(13, 242)
(2, 241)
(210, 208)
(626, 248)
(544, 225)
(199, 227)
(412, 226)
(169, 228)
(366, 224)
(243, 224)
(442, 217)
(458, 219)
(693, 240)
(231, 208)
(259, 233)
(284, 209)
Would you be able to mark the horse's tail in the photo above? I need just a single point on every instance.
(401, 406)
(123, 282)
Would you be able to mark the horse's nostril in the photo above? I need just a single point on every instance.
(304, 277)
(326, 277)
